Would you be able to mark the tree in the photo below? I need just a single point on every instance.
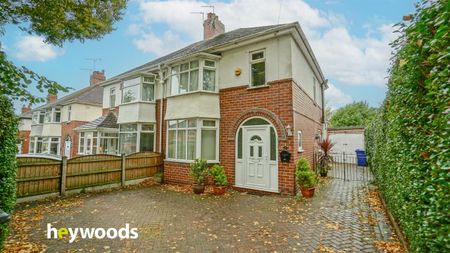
(354, 114)
(56, 22)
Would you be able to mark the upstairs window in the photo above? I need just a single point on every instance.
(112, 97)
(314, 89)
(193, 76)
(138, 89)
(38, 117)
(257, 68)
(69, 112)
(53, 115)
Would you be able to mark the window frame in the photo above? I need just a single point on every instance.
(300, 142)
(198, 127)
(112, 93)
(138, 132)
(140, 85)
(50, 115)
(38, 115)
(201, 67)
(46, 141)
(251, 62)
(69, 112)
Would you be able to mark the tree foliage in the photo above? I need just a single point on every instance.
(8, 150)
(354, 114)
(408, 143)
(56, 22)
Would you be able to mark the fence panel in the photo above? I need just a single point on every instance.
(37, 175)
(142, 165)
(93, 170)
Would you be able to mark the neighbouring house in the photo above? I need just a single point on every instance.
(236, 98)
(53, 124)
(24, 127)
(346, 140)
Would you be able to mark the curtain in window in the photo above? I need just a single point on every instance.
(208, 144)
(147, 140)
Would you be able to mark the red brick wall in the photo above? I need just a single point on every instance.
(282, 103)
(307, 118)
(106, 111)
(67, 130)
(24, 137)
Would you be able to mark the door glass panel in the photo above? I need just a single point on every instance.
(239, 145)
(251, 151)
(273, 145)
(259, 151)
(255, 138)
(255, 122)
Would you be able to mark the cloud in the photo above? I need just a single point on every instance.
(159, 45)
(344, 57)
(335, 98)
(33, 48)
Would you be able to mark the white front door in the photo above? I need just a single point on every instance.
(67, 146)
(256, 160)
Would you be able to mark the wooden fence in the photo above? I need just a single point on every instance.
(38, 175)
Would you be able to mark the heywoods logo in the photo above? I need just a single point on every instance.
(89, 233)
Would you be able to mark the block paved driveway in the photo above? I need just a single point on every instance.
(338, 219)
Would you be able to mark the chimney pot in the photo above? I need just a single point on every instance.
(212, 26)
(51, 98)
(25, 109)
(97, 77)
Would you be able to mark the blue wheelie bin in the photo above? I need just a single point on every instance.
(361, 157)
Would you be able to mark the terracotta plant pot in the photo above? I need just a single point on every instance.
(198, 188)
(307, 192)
(219, 190)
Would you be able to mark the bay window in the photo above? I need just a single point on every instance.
(44, 145)
(136, 138)
(189, 139)
(257, 68)
(138, 89)
(186, 77)
(96, 142)
(53, 115)
(38, 118)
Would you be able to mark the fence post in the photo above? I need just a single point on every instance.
(63, 176)
(122, 166)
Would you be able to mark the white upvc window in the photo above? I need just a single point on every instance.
(188, 139)
(69, 112)
(112, 97)
(137, 89)
(257, 68)
(137, 138)
(299, 141)
(315, 89)
(44, 145)
(53, 115)
(95, 142)
(191, 76)
(38, 117)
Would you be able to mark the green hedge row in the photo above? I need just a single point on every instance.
(8, 151)
(408, 143)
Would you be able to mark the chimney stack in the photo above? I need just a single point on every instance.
(51, 98)
(26, 109)
(97, 77)
(212, 26)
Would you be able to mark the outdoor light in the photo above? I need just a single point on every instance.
(4, 217)
(289, 130)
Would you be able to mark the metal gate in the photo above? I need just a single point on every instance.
(345, 166)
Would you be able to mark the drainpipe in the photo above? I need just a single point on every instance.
(324, 119)
(161, 82)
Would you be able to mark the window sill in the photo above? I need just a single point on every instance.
(300, 150)
(258, 87)
(187, 161)
(135, 102)
(194, 92)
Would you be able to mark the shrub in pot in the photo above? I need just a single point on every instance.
(217, 173)
(199, 172)
(325, 158)
(306, 179)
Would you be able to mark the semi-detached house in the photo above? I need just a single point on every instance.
(236, 98)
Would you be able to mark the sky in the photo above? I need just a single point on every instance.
(350, 39)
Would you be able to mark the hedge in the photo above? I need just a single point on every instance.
(8, 151)
(408, 142)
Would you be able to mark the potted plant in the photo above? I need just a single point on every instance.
(306, 179)
(199, 171)
(217, 173)
(325, 158)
